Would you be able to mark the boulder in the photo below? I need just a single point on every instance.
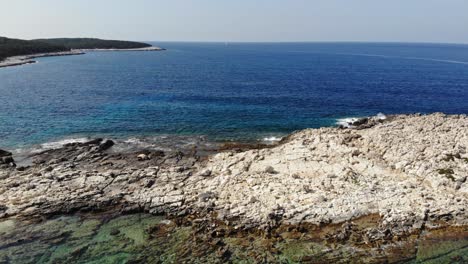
(270, 170)
(96, 141)
(6, 157)
(4, 153)
(360, 122)
(7, 160)
(205, 173)
(106, 145)
(142, 157)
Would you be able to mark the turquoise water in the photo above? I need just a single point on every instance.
(235, 91)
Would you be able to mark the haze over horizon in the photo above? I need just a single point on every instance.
(240, 21)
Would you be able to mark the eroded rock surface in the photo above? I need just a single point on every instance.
(411, 171)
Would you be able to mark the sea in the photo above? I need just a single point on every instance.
(218, 92)
(207, 93)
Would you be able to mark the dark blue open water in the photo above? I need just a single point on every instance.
(226, 92)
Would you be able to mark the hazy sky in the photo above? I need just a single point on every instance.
(239, 20)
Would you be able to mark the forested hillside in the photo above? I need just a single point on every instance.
(15, 47)
(92, 43)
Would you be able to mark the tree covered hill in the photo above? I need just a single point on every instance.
(92, 43)
(15, 47)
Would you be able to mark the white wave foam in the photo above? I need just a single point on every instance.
(348, 121)
(437, 60)
(133, 141)
(23, 155)
(381, 116)
(61, 143)
(272, 139)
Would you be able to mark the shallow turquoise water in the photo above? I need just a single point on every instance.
(75, 240)
(143, 238)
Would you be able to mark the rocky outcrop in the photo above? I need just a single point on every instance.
(409, 170)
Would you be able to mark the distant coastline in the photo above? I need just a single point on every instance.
(15, 52)
(29, 59)
(152, 48)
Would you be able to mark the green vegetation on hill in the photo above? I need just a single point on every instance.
(15, 47)
(91, 43)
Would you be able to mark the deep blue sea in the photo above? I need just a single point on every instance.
(226, 91)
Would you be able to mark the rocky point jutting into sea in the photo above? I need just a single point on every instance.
(384, 190)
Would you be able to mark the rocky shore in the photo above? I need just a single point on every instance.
(376, 189)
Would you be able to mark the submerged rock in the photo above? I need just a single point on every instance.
(143, 238)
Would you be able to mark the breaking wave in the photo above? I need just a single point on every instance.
(349, 121)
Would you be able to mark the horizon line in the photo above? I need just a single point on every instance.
(263, 41)
(306, 41)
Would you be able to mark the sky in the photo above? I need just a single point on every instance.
(239, 20)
